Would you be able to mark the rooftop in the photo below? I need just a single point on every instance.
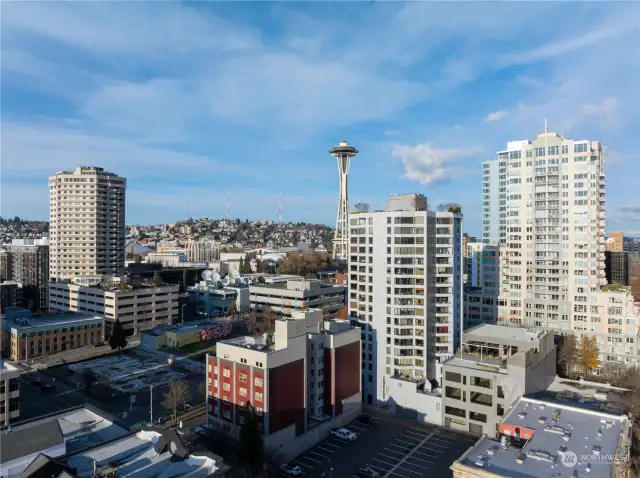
(493, 333)
(144, 454)
(258, 343)
(21, 322)
(185, 327)
(475, 363)
(565, 441)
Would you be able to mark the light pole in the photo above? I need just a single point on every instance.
(182, 312)
(151, 403)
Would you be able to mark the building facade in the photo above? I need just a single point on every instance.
(493, 201)
(405, 289)
(615, 242)
(215, 301)
(495, 366)
(306, 375)
(10, 295)
(138, 307)
(26, 336)
(6, 267)
(9, 393)
(482, 266)
(286, 297)
(86, 223)
(617, 267)
(30, 264)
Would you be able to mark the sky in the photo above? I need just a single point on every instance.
(192, 102)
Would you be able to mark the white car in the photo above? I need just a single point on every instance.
(343, 434)
(291, 470)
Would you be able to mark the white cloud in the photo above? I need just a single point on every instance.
(606, 110)
(432, 165)
(496, 116)
(391, 132)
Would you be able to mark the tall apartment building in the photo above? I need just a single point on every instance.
(139, 307)
(482, 266)
(494, 215)
(86, 223)
(405, 288)
(30, 267)
(6, 268)
(615, 242)
(552, 266)
(307, 378)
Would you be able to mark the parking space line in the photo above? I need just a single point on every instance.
(432, 443)
(357, 427)
(436, 434)
(441, 440)
(333, 441)
(422, 453)
(378, 468)
(395, 451)
(414, 433)
(319, 454)
(331, 444)
(420, 459)
(325, 449)
(406, 458)
(302, 464)
(432, 449)
(382, 461)
(310, 459)
(390, 457)
(407, 442)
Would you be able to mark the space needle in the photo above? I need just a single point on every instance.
(343, 154)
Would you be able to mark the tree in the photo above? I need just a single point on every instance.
(177, 395)
(269, 318)
(118, 339)
(130, 256)
(588, 354)
(89, 378)
(568, 353)
(251, 451)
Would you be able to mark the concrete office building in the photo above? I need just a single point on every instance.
(139, 307)
(617, 267)
(302, 382)
(405, 288)
(545, 438)
(9, 393)
(25, 336)
(86, 223)
(495, 366)
(615, 242)
(286, 297)
(214, 301)
(30, 267)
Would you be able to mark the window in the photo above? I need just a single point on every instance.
(258, 382)
(243, 392)
(455, 393)
(226, 414)
(226, 387)
(454, 411)
(258, 411)
(453, 377)
(580, 147)
(226, 372)
(478, 417)
(243, 377)
(481, 399)
(258, 396)
(480, 382)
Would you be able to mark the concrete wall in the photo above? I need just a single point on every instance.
(406, 400)
(285, 445)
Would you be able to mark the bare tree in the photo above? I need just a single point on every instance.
(362, 207)
(568, 354)
(178, 394)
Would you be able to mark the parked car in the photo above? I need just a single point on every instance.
(367, 419)
(343, 434)
(367, 472)
(291, 469)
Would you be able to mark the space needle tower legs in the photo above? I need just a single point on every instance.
(343, 154)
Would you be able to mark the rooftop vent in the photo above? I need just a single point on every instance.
(522, 415)
(542, 419)
(555, 429)
(597, 449)
(542, 455)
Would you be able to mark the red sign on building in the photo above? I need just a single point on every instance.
(215, 332)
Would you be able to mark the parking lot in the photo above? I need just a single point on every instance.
(394, 447)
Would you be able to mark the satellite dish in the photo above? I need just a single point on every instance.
(239, 281)
(234, 274)
(206, 275)
(215, 277)
(225, 282)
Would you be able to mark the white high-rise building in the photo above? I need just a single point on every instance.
(86, 223)
(494, 215)
(405, 288)
(552, 269)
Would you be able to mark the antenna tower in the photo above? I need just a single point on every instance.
(343, 154)
(280, 215)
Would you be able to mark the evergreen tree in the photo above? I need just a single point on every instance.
(118, 339)
(251, 446)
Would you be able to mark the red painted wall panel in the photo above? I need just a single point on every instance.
(243, 372)
(348, 373)
(286, 397)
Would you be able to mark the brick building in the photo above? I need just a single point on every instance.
(291, 381)
(25, 336)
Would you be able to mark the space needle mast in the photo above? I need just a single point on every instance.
(343, 154)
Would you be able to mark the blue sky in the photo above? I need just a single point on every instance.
(190, 101)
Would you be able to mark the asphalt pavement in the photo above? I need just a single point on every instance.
(394, 448)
